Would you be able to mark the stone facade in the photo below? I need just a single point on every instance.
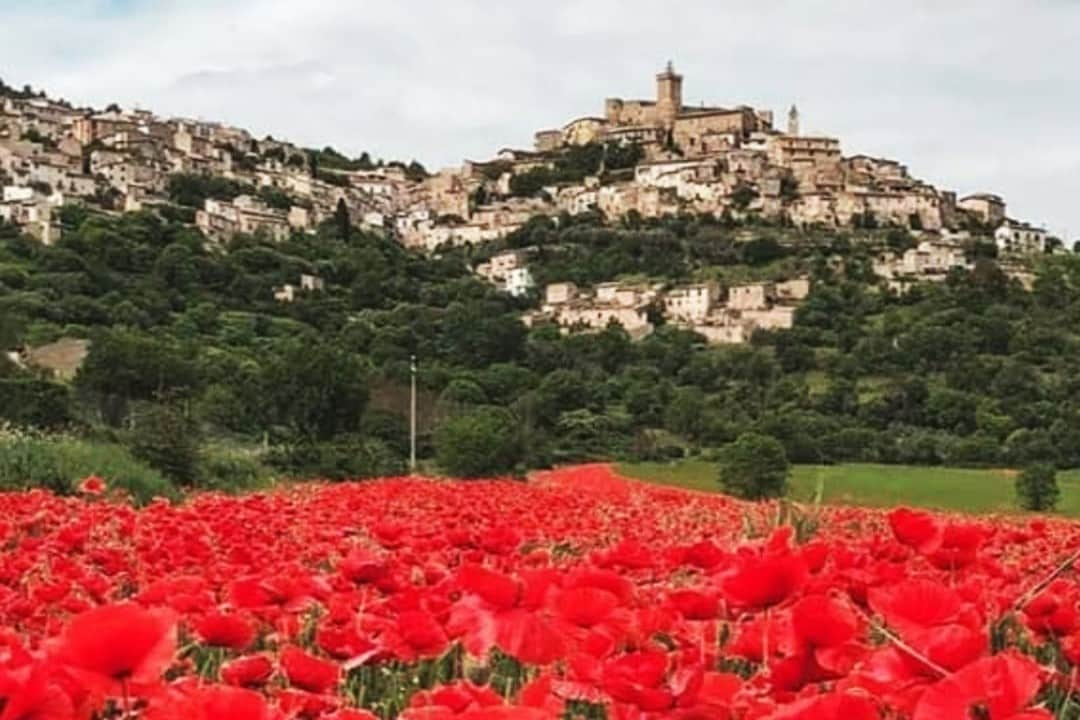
(574, 310)
(508, 272)
(988, 208)
(122, 159)
(700, 307)
(1019, 238)
(245, 214)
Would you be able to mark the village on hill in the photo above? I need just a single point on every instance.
(640, 158)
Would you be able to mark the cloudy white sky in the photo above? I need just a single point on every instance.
(972, 94)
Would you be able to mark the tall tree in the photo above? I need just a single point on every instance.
(754, 467)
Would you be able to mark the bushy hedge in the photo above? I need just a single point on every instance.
(230, 471)
(344, 459)
(34, 402)
(59, 464)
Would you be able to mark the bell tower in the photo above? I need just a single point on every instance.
(793, 121)
(668, 95)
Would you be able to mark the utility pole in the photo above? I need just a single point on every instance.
(412, 415)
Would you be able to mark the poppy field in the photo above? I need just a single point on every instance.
(579, 594)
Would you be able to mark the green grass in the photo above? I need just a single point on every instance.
(956, 489)
(60, 463)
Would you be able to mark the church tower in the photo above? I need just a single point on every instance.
(668, 96)
(793, 121)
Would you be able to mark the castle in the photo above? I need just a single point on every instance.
(660, 123)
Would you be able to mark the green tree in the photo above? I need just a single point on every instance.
(124, 366)
(30, 401)
(341, 220)
(167, 440)
(315, 390)
(1037, 487)
(761, 251)
(481, 442)
(754, 467)
(683, 414)
(743, 194)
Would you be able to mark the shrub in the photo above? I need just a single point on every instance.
(1037, 487)
(230, 471)
(344, 458)
(754, 467)
(482, 442)
(167, 440)
(30, 401)
(655, 446)
(58, 464)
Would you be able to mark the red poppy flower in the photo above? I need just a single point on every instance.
(363, 566)
(251, 671)
(960, 544)
(916, 529)
(762, 582)
(916, 604)
(457, 697)
(422, 635)
(823, 622)
(308, 672)
(92, 485)
(221, 701)
(1053, 611)
(529, 637)
(497, 589)
(638, 679)
(225, 630)
(994, 688)
(29, 693)
(116, 644)
(835, 706)
(695, 605)
(352, 714)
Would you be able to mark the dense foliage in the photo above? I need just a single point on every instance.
(754, 467)
(1037, 487)
(573, 164)
(478, 443)
(970, 371)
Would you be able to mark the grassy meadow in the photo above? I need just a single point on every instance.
(954, 489)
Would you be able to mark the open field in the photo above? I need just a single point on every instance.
(962, 490)
(579, 594)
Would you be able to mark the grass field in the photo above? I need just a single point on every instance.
(961, 490)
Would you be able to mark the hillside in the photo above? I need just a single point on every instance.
(186, 338)
(645, 285)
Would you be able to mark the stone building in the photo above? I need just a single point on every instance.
(987, 207)
(655, 122)
(698, 307)
(574, 310)
(508, 272)
(755, 296)
(691, 303)
(1019, 238)
(749, 308)
(98, 126)
(220, 219)
(288, 292)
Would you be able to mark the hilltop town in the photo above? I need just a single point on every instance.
(640, 158)
(661, 157)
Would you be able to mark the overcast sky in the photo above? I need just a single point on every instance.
(979, 96)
